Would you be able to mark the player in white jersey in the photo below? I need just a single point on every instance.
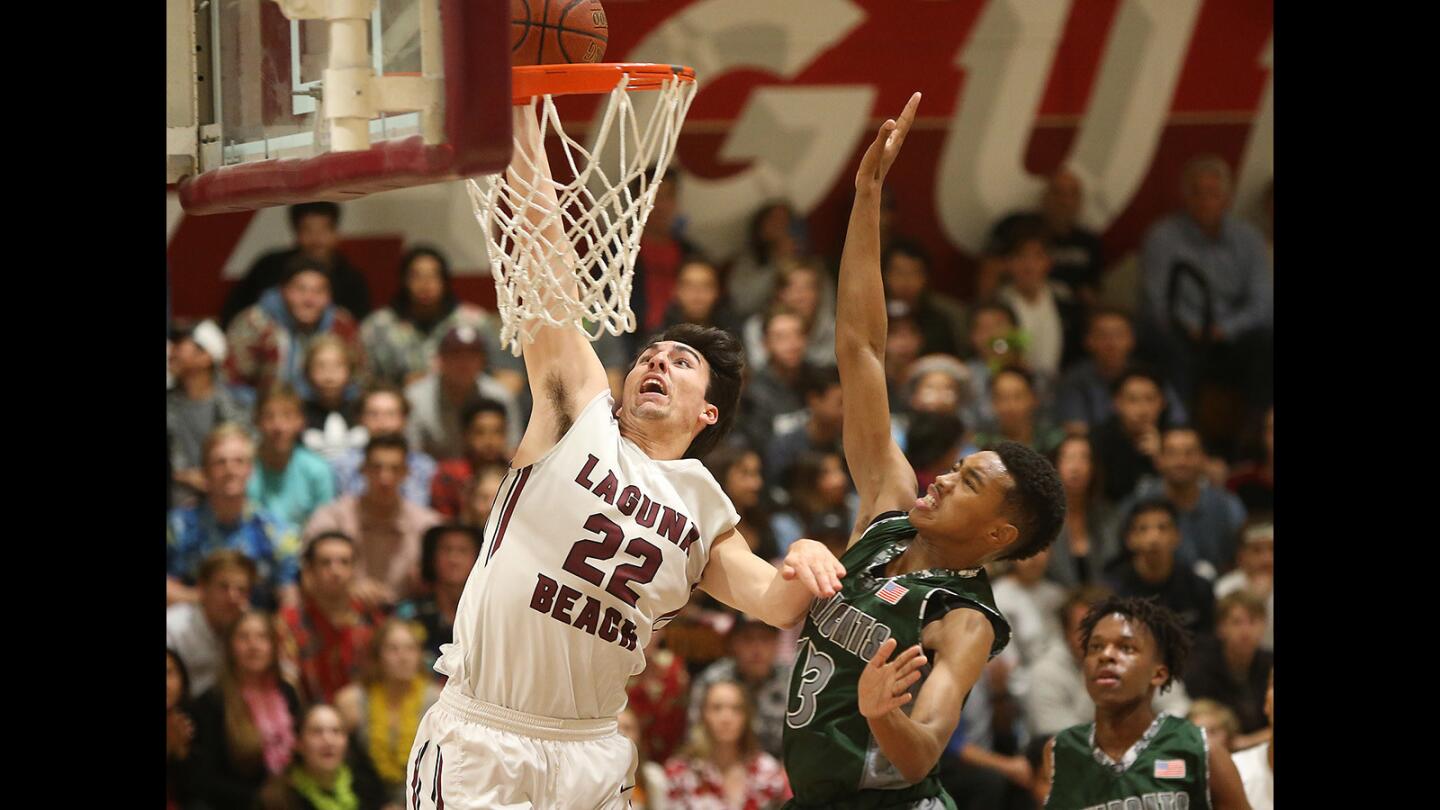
(600, 531)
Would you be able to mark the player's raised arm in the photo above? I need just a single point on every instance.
(914, 742)
(564, 371)
(882, 475)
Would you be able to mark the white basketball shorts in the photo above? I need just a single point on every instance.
(470, 755)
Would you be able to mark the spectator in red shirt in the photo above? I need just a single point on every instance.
(331, 628)
(658, 695)
(485, 426)
(722, 766)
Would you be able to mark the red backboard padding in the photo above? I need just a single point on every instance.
(477, 132)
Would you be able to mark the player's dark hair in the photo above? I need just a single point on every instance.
(430, 546)
(387, 441)
(726, 358)
(307, 556)
(1036, 502)
(479, 406)
(324, 209)
(909, 249)
(1172, 640)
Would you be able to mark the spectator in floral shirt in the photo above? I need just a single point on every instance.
(290, 481)
(330, 629)
(383, 409)
(722, 767)
(486, 429)
(268, 341)
(229, 518)
(401, 340)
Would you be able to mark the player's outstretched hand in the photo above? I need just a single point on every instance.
(886, 146)
(815, 566)
(884, 686)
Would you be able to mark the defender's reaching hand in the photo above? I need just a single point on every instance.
(885, 687)
(814, 565)
(886, 146)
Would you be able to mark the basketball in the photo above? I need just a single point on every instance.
(549, 32)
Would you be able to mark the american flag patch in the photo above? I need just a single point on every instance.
(1169, 769)
(892, 592)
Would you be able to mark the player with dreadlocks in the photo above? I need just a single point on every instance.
(1130, 756)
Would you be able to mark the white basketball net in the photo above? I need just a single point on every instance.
(602, 216)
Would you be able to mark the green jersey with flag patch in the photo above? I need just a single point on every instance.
(1168, 768)
(830, 757)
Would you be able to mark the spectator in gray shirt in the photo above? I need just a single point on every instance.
(1228, 280)
(438, 398)
(199, 402)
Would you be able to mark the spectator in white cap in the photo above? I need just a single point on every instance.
(438, 400)
(198, 403)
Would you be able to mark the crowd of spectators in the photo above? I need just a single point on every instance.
(332, 467)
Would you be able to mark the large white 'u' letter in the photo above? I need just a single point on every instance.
(1257, 163)
(797, 139)
(1007, 64)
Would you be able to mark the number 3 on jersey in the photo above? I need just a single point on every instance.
(817, 668)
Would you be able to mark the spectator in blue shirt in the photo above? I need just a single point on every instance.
(1209, 517)
(1228, 277)
(290, 482)
(229, 518)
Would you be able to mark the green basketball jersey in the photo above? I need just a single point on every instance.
(1168, 768)
(830, 756)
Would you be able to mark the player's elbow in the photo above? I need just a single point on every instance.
(918, 766)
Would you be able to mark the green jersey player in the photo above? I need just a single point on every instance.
(1130, 757)
(865, 729)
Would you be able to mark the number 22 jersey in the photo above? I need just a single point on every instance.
(586, 552)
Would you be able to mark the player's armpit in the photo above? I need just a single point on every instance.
(1227, 792)
(961, 646)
